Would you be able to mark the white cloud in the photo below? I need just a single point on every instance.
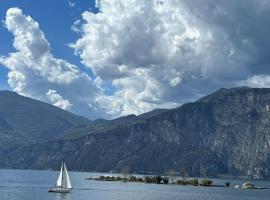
(35, 72)
(159, 53)
(147, 54)
(58, 100)
(71, 3)
(257, 81)
(75, 26)
(33, 51)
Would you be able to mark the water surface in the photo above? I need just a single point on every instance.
(33, 185)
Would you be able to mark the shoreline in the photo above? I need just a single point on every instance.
(165, 180)
(240, 177)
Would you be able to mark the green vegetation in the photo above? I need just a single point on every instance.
(157, 180)
(125, 173)
(181, 182)
(154, 179)
(109, 178)
(170, 178)
(132, 178)
(206, 182)
(165, 179)
(194, 182)
(148, 179)
(227, 184)
(139, 179)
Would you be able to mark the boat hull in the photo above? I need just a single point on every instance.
(59, 190)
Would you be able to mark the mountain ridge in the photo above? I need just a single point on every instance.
(33, 120)
(224, 133)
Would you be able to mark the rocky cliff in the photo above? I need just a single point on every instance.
(227, 132)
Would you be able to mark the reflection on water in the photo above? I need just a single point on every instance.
(33, 185)
(61, 196)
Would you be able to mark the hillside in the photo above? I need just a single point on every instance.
(227, 132)
(24, 120)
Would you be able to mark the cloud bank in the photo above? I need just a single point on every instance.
(163, 53)
(144, 54)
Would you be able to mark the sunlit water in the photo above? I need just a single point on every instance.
(33, 185)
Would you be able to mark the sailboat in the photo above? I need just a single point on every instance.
(63, 184)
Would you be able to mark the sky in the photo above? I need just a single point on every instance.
(109, 58)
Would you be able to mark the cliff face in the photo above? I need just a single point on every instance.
(241, 129)
(227, 132)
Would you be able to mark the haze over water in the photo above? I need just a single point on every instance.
(33, 185)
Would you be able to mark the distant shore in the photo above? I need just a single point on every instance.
(205, 182)
(157, 180)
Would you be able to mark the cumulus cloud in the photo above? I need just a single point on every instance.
(35, 72)
(163, 53)
(58, 100)
(147, 54)
(34, 52)
(143, 48)
(259, 81)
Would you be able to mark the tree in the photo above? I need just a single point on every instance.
(203, 171)
(206, 182)
(227, 184)
(148, 179)
(125, 173)
(157, 179)
(183, 173)
(194, 182)
(132, 178)
(165, 180)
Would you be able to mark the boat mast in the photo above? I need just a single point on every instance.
(62, 167)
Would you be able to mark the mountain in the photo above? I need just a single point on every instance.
(224, 133)
(26, 121)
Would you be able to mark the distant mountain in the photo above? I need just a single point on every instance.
(24, 120)
(224, 133)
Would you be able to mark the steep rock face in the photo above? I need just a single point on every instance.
(242, 119)
(227, 132)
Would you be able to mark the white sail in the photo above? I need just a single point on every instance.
(66, 181)
(60, 177)
(63, 184)
(67, 177)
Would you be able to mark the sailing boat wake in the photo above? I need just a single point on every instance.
(63, 184)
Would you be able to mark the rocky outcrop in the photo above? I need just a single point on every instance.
(227, 132)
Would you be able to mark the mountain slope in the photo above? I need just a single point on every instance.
(227, 132)
(23, 119)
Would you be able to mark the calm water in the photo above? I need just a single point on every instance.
(33, 185)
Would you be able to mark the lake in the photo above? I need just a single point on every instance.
(33, 185)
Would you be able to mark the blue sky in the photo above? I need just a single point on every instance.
(109, 58)
(55, 19)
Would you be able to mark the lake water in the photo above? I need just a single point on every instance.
(33, 185)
